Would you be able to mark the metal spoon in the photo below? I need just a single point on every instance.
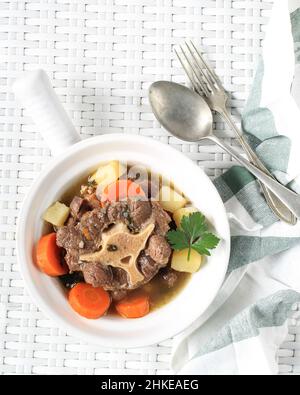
(188, 117)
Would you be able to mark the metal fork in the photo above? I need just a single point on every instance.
(206, 83)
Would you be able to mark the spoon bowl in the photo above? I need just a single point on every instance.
(170, 102)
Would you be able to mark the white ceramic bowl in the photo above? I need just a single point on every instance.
(112, 331)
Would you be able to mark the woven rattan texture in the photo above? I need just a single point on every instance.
(101, 56)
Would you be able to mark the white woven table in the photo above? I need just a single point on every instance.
(101, 56)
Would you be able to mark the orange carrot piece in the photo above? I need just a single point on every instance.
(86, 233)
(133, 306)
(121, 189)
(89, 302)
(48, 257)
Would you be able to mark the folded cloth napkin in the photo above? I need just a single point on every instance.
(242, 330)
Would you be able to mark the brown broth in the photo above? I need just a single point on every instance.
(159, 292)
(157, 289)
(74, 190)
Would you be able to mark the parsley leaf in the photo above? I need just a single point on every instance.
(207, 242)
(193, 226)
(193, 234)
(178, 240)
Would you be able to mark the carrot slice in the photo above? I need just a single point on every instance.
(48, 257)
(121, 189)
(89, 302)
(133, 306)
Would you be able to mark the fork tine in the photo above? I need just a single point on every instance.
(200, 80)
(187, 69)
(199, 73)
(197, 85)
(211, 72)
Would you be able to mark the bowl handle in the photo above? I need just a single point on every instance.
(35, 92)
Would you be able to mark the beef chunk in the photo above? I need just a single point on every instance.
(170, 277)
(133, 213)
(159, 249)
(140, 212)
(69, 237)
(147, 266)
(80, 238)
(89, 194)
(161, 218)
(118, 212)
(92, 224)
(70, 221)
(78, 207)
(137, 213)
(118, 295)
(75, 205)
(72, 260)
(93, 201)
(107, 277)
(120, 278)
(97, 274)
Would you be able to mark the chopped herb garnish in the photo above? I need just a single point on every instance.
(92, 183)
(193, 235)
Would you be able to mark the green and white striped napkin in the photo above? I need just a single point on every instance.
(243, 329)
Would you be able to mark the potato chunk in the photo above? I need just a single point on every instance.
(107, 174)
(171, 200)
(180, 261)
(57, 214)
(183, 212)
